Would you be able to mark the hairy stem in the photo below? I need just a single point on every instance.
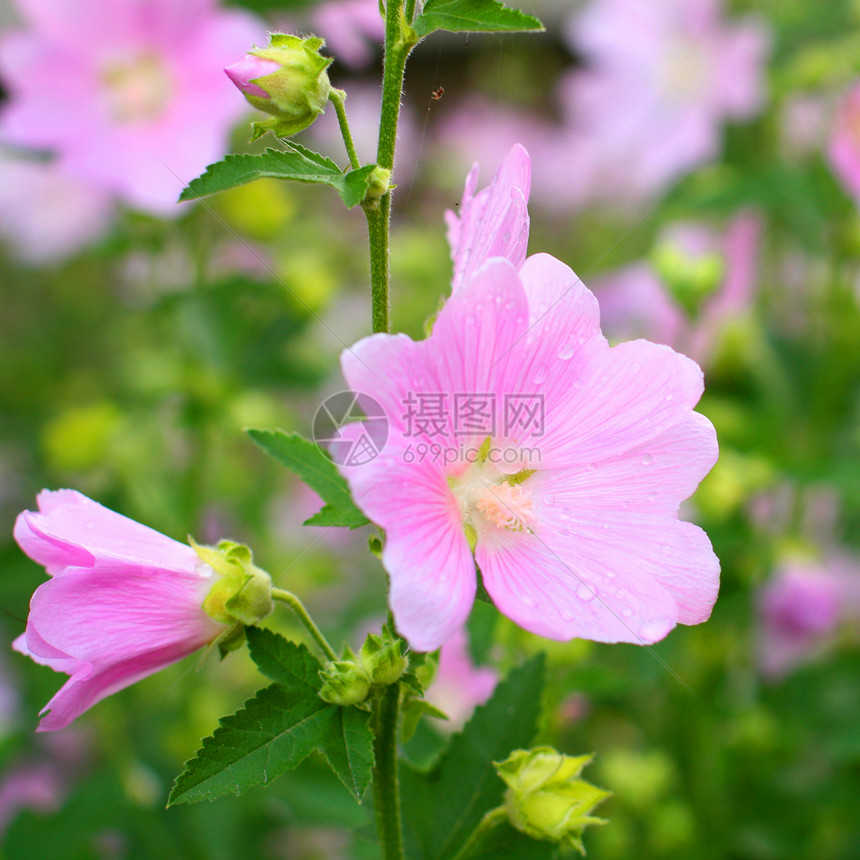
(399, 41)
(489, 822)
(299, 608)
(386, 792)
(337, 98)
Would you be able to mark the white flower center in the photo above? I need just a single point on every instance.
(137, 91)
(489, 498)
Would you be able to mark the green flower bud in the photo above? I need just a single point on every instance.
(287, 79)
(382, 659)
(344, 683)
(378, 183)
(690, 278)
(545, 799)
(242, 594)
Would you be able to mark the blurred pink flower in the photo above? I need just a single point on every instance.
(46, 214)
(659, 80)
(634, 302)
(123, 601)
(353, 29)
(460, 686)
(798, 615)
(130, 95)
(571, 508)
(843, 147)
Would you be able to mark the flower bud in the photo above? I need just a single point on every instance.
(382, 659)
(545, 800)
(690, 277)
(242, 594)
(344, 683)
(287, 79)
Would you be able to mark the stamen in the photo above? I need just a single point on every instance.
(508, 506)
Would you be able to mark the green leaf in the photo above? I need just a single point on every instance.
(278, 729)
(463, 785)
(297, 162)
(471, 16)
(307, 460)
(287, 663)
(349, 748)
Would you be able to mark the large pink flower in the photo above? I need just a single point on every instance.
(123, 600)
(515, 429)
(129, 95)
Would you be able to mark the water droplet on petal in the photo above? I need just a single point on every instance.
(91, 524)
(566, 352)
(566, 615)
(648, 459)
(670, 396)
(585, 592)
(540, 376)
(204, 570)
(666, 549)
(655, 629)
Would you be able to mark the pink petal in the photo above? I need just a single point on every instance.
(562, 588)
(493, 223)
(112, 627)
(72, 530)
(629, 396)
(432, 574)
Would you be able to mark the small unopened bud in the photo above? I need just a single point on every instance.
(690, 277)
(287, 79)
(378, 184)
(382, 659)
(344, 683)
(545, 799)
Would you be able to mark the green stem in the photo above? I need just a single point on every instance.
(299, 608)
(409, 12)
(386, 792)
(399, 41)
(337, 98)
(489, 822)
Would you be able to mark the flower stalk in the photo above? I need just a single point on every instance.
(304, 616)
(386, 790)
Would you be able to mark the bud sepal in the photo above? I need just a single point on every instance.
(546, 799)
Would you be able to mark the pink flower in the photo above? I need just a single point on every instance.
(353, 30)
(799, 613)
(460, 686)
(634, 302)
(129, 95)
(515, 429)
(659, 80)
(843, 148)
(46, 214)
(123, 600)
(244, 72)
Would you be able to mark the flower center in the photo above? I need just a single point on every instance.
(507, 506)
(137, 91)
(488, 498)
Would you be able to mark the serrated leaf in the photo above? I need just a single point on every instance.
(349, 749)
(275, 731)
(278, 729)
(307, 460)
(472, 16)
(296, 163)
(287, 663)
(462, 786)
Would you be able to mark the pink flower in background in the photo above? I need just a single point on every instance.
(571, 505)
(460, 686)
(129, 95)
(798, 614)
(843, 147)
(635, 302)
(123, 600)
(659, 80)
(353, 30)
(46, 214)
